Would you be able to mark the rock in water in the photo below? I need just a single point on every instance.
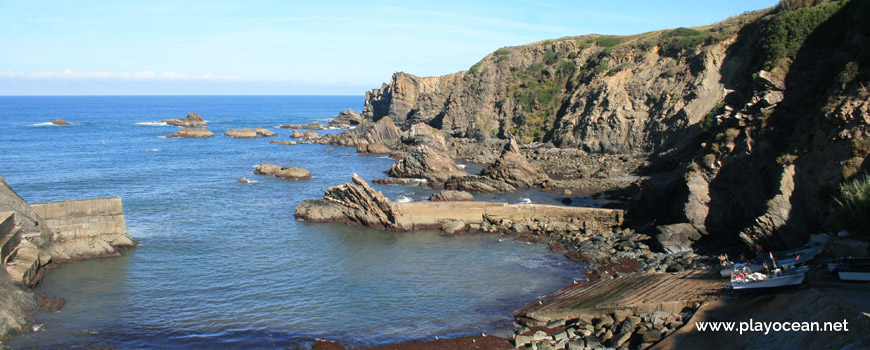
(425, 162)
(244, 180)
(383, 131)
(191, 133)
(284, 172)
(263, 132)
(451, 196)
(192, 120)
(373, 148)
(284, 142)
(512, 168)
(346, 119)
(244, 133)
(351, 203)
(58, 121)
(310, 126)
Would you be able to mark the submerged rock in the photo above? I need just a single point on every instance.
(284, 172)
(192, 120)
(191, 133)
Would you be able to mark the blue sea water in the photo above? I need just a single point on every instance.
(224, 264)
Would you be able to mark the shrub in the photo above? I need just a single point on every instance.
(607, 41)
(789, 29)
(853, 206)
(503, 54)
(682, 39)
(550, 56)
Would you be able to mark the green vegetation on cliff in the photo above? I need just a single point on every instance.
(788, 31)
(853, 206)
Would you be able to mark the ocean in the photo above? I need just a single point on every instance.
(224, 264)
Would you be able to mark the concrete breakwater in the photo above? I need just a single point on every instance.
(358, 204)
(33, 236)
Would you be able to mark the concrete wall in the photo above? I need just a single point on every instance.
(83, 218)
(9, 236)
(432, 213)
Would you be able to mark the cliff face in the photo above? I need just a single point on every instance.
(766, 113)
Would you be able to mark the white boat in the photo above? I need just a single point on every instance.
(789, 258)
(854, 275)
(759, 281)
(851, 269)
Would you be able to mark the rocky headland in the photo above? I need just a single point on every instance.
(715, 139)
(192, 120)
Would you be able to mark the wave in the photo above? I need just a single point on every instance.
(153, 150)
(152, 124)
(419, 182)
(45, 124)
(161, 137)
(461, 166)
(403, 199)
(525, 201)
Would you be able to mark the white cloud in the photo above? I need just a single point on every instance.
(147, 74)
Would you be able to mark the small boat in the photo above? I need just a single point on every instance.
(851, 269)
(777, 280)
(790, 258)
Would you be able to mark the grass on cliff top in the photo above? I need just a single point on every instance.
(853, 207)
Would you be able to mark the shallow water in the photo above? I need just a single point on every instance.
(224, 264)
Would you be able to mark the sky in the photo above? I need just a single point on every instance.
(258, 47)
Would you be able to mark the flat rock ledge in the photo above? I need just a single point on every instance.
(248, 133)
(192, 120)
(284, 172)
(191, 133)
(357, 203)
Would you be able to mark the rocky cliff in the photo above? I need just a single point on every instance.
(759, 117)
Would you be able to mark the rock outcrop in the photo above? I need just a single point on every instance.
(451, 196)
(191, 133)
(244, 133)
(263, 132)
(352, 203)
(309, 126)
(284, 142)
(426, 163)
(373, 148)
(423, 134)
(346, 119)
(384, 131)
(307, 135)
(191, 121)
(512, 168)
(58, 121)
(284, 172)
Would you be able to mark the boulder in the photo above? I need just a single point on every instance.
(297, 134)
(677, 238)
(373, 148)
(425, 162)
(58, 121)
(263, 132)
(353, 203)
(191, 133)
(310, 135)
(451, 228)
(346, 119)
(285, 172)
(451, 196)
(244, 133)
(192, 120)
(513, 168)
(244, 180)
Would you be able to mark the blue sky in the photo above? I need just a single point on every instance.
(293, 47)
